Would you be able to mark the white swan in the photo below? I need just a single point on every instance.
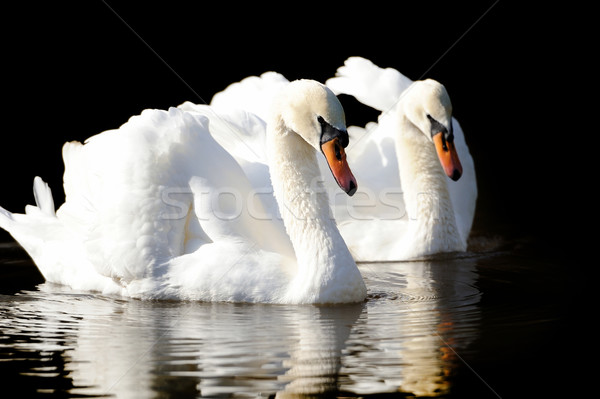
(409, 206)
(159, 209)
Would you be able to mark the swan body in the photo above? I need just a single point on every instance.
(178, 204)
(409, 205)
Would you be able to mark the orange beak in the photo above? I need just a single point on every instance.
(336, 159)
(446, 152)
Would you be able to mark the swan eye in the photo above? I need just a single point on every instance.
(329, 132)
(450, 137)
(437, 127)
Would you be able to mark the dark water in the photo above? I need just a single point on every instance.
(491, 323)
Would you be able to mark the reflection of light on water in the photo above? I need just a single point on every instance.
(404, 338)
(315, 361)
(415, 351)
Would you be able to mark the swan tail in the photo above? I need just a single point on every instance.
(6, 219)
(37, 226)
(45, 207)
(43, 197)
(371, 85)
(55, 249)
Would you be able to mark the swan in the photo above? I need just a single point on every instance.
(420, 189)
(159, 209)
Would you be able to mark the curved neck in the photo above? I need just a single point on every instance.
(321, 253)
(424, 184)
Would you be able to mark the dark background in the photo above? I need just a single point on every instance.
(72, 70)
(517, 74)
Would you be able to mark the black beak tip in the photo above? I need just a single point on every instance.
(456, 175)
(352, 189)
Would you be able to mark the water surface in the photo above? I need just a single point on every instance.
(480, 324)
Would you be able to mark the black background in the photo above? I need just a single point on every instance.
(72, 70)
(517, 75)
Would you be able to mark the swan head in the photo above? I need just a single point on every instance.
(427, 105)
(311, 110)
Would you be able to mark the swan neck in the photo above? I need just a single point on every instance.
(299, 190)
(423, 180)
(323, 259)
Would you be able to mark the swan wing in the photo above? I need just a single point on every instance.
(253, 94)
(158, 188)
(127, 191)
(371, 85)
(238, 115)
(242, 135)
(239, 132)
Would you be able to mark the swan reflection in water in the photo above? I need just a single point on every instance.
(404, 338)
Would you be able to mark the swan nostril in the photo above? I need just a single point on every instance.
(338, 151)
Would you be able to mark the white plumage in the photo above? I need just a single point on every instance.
(406, 207)
(178, 204)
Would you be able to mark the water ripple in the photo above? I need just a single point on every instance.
(404, 339)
